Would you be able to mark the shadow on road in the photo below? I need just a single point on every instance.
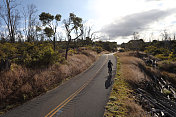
(108, 82)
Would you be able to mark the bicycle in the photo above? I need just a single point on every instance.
(110, 71)
(108, 81)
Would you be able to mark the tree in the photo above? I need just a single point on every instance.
(38, 30)
(49, 32)
(29, 22)
(136, 35)
(165, 35)
(89, 34)
(174, 36)
(10, 16)
(86, 31)
(72, 25)
(2, 38)
(20, 36)
(50, 27)
(0, 18)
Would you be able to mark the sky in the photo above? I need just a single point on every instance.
(117, 20)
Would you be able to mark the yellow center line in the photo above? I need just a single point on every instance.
(68, 101)
(61, 103)
(56, 109)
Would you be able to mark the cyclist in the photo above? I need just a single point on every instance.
(110, 66)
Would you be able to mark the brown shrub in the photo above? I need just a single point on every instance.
(65, 71)
(167, 66)
(11, 80)
(130, 69)
(22, 83)
(26, 88)
(171, 77)
(134, 110)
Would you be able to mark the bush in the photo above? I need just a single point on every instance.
(98, 49)
(172, 56)
(161, 56)
(72, 51)
(109, 46)
(30, 54)
(168, 66)
(164, 50)
(8, 50)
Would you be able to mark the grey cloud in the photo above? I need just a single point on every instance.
(134, 23)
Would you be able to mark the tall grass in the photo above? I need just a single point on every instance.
(20, 84)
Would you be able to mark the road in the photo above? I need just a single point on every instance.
(84, 95)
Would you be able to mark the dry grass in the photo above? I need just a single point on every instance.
(134, 110)
(21, 84)
(167, 66)
(11, 80)
(171, 77)
(123, 103)
(131, 69)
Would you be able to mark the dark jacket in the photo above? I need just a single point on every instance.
(110, 64)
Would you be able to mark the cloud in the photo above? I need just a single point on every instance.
(153, 0)
(134, 23)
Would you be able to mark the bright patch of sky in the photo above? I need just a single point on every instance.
(113, 13)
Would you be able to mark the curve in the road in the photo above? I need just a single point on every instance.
(85, 95)
(55, 110)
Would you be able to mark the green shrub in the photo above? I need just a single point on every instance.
(8, 50)
(161, 56)
(73, 51)
(172, 56)
(31, 54)
(98, 49)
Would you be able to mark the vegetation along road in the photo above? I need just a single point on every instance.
(83, 96)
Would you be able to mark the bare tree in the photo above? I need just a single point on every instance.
(0, 19)
(84, 35)
(60, 36)
(30, 22)
(165, 35)
(10, 16)
(73, 24)
(88, 32)
(151, 37)
(136, 35)
(20, 37)
(2, 38)
(174, 36)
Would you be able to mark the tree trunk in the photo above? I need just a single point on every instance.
(54, 42)
(66, 53)
(11, 29)
(67, 48)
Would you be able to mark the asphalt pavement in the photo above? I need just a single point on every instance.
(85, 95)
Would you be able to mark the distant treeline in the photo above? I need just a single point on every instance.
(165, 50)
